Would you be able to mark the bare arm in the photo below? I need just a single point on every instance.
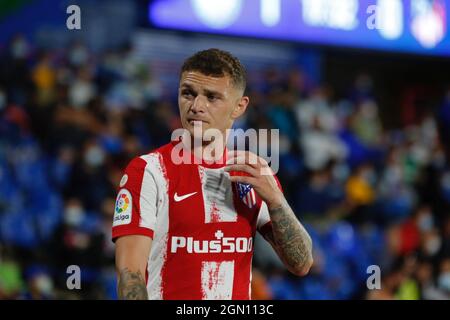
(290, 239)
(131, 262)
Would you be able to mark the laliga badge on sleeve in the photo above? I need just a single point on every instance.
(123, 208)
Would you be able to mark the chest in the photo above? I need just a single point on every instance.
(202, 201)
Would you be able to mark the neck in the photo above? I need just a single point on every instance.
(209, 151)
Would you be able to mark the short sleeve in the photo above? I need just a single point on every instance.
(135, 206)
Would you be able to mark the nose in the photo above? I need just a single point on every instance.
(199, 104)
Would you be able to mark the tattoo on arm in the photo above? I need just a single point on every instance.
(292, 242)
(132, 286)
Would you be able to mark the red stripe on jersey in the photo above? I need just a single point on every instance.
(126, 230)
(181, 276)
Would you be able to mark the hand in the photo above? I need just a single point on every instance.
(258, 174)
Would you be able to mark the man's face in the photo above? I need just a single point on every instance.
(210, 101)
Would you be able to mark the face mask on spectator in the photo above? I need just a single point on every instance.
(433, 245)
(369, 110)
(341, 172)
(19, 49)
(73, 216)
(80, 94)
(369, 176)
(78, 56)
(426, 222)
(44, 284)
(444, 281)
(94, 157)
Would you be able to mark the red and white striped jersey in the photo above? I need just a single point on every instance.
(202, 226)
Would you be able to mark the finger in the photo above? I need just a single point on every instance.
(254, 170)
(241, 160)
(263, 162)
(243, 179)
(243, 153)
(265, 171)
(242, 167)
(249, 157)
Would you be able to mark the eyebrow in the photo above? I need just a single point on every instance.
(212, 92)
(205, 91)
(187, 86)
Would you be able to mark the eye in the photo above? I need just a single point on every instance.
(212, 98)
(187, 93)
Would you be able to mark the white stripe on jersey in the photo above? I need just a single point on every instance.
(217, 196)
(156, 169)
(217, 280)
(263, 216)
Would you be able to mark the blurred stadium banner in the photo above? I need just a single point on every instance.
(414, 26)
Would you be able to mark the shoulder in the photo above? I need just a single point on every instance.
(152, 166)
(151, 160)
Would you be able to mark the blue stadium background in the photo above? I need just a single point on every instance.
(365, 150)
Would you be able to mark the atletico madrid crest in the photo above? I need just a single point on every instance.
(246, 194)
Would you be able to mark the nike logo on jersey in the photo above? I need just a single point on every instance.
(181, 198)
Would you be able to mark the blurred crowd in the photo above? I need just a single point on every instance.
(70, 121)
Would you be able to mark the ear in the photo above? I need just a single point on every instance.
(240, 108)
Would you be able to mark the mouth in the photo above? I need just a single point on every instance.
(196, 122)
